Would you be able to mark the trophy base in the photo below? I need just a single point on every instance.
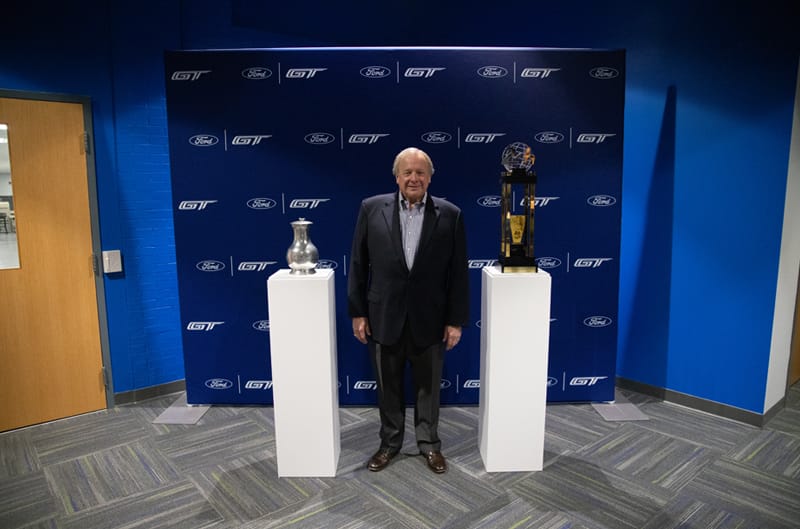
(517, 264)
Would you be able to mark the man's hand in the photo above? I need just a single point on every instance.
(452, 335)
(361, 329)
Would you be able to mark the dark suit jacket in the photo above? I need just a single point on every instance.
(434, 293)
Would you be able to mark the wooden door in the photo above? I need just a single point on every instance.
(794, 359)
(49, 329)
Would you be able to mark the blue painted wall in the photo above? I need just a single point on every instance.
(710, 91)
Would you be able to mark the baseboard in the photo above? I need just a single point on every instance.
(137, 395)
(696, 403)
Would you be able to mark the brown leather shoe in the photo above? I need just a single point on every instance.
(381, 458)
(436, 461)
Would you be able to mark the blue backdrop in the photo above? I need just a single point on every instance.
(259, 138)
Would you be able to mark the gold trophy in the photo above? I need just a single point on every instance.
(516, 231)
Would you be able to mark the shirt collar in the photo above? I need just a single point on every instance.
(404, 202)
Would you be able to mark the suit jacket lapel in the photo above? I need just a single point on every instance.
(392, 217)
(428, 227)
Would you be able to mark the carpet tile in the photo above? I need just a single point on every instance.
(26, 500)
(695, 426)
(596, 497)
(247, 488)
(79, 436)
(17, 456)
(683, 468)
(340, 507)
(110, 474)
(772, 451)
(686, 512)
(753, 494)
(178, 506)
(207, 444)
(644, 455)
(420, 498)
(787, 421)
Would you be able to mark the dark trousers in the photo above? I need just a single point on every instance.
(389, 362)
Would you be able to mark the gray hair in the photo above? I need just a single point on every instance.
(408, 151)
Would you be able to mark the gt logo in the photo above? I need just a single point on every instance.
(421, 72)
(540, 202)
(253, 139)
(192, 205)
(202, 325)
(365, 384)
(258, 384)
(483, 137)
(365, 138)
(537, 73)
(590, 262)
(254, 266)
(472, 384)
(593, 137)
(303, 73)
(188, 75)
(585, 381)
(480, 263)
(307, 203)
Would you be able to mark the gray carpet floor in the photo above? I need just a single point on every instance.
(681, 468)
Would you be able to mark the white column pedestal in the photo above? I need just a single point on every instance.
(302, 337)
(515, 334)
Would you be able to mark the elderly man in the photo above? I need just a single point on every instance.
(408, 298)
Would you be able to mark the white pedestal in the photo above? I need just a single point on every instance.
(515, 334)
(302, 337)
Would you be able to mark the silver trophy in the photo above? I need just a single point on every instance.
(302, 255)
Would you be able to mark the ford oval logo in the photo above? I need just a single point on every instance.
(210, 266)
(375, 72)
(203, 140)
(597, 321)
(445, 383)
(257, 73)
(261, 203)
(219, 383)
(551, 381)
(492, 72)
(327, 264)
(601, 200)
(261, 325)
(549, 137)
(436, 137)
(548, 262)
(604, 72)
(319, 138)
(490, 201)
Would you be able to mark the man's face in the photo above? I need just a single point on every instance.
(413, 177)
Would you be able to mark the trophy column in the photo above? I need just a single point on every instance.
(305, 389)
(515, 336)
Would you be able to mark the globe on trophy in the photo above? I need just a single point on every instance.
(516, 227)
